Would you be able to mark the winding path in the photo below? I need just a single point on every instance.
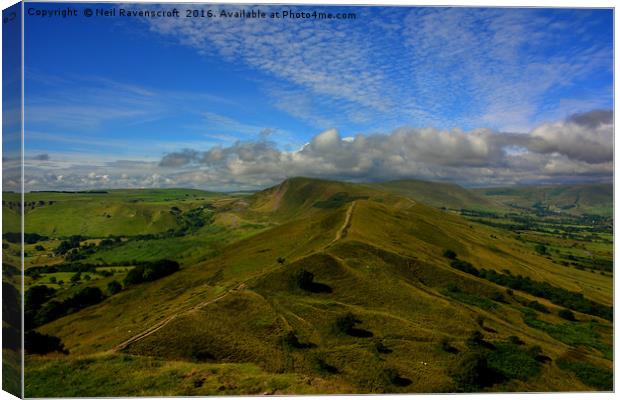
(341, 233)
(166, 321)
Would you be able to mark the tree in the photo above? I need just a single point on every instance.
(281, 260)
(450, 254)
(76, 277)
(114, 287)
(37, 295)
(37, 343)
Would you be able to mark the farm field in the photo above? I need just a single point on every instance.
(315, 287)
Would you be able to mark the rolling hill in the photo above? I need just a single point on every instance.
(439, 194)
(331, 287)
(576, 199)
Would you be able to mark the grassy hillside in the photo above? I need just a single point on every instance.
(437, 194)
(110, 212)
(326, 287)
(589, 199)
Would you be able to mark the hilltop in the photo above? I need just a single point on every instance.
(316, 286)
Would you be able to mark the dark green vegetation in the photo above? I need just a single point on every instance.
(316, 286)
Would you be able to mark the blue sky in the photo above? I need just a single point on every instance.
(226, 104)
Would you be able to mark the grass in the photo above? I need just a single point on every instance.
(572, 333)
(469, 298)
(593, 376)
(235, 300)
(128, 376)
(513, 362)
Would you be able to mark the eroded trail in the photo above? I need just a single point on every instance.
(342, 232)
(171, 318)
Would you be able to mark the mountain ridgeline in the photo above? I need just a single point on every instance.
(316, 286)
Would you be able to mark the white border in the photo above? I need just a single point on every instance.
(505, 3)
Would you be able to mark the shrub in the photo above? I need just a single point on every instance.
(382, 348)
(473, 372)
(450, 254)
(538, 307)
(37, 343)
(151, 271)
(322, 366)
(447, 347)
(567, 315)
(56, 309)
(476, 339)
(392, 376)
(541, 249)
(292, 340)
(515, 340)
(346, 324)
(76, 277)
(304, 279)
(114, 287)
(465, 267)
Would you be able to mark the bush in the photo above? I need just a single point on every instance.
(392, 376)
(114, 287)
(515, 340)
(567, 315)
(538, 307)
(465, 267)
(476, 339)
(346, 324)
(76, 277)
(450, 254)
(473, 372)
(37, 343)
(541, 249)
(305, 279)
(56, 309)
(447, 347)
(151, 271)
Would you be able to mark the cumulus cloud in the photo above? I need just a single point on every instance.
(585, 137)
(578, 149)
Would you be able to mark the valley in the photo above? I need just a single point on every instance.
(316, 286)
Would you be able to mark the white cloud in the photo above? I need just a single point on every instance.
(575, 150)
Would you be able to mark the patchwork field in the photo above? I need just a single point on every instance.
(316, 286)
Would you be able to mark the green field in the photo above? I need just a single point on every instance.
(317, 287)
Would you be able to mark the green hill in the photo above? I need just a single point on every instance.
(102, 213)
(575, 199)
(437, 194)
(329, 287)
